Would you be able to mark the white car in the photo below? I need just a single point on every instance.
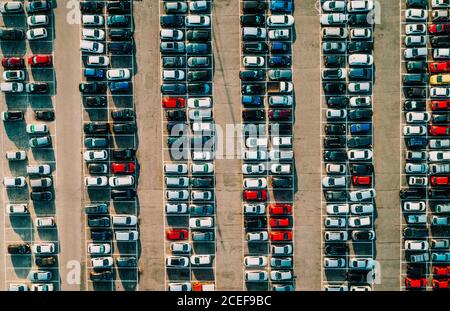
(14, 75)
(126, 236)
(102, 262)
(179, 208)
(415, 53)
(43, 248)
(173, 195)
(92, 47)
(119, 74)
(442, 208)
(44, 222)
(180, 287)
(360, 60)
(37, 20)
(171, 34)
(253, 61)
(284, 250)
(332, 182)
(336, 114)
(37, 33)
(99, 248)
(199, 195)
(438, 156)
(280, 168)
(259, 155)
(197, 21)
(418, 117)
(202, 155)
(335, 222)
(180, 247)
(436, 4)
(336, 288)
(281, 101)
(178, 169)
(360, 34)
(176, 182)
(17, 287)
(356, 6)
(361, 263)
(200, 114)
(360, 288)
(333, 6)
(255, 261)
(360, 155)
(281, 155)
(257, 236)
(204, 168)
(17, 208)
(42, 287)
(282, 142)
(14, 182)
(253, 168)
(93, 34)
(255, 183)
(256, 276)
(441, 53)
(359, 221)
(201, 222)
(416, 245)
(11, 7)
(335, 236)
(254, 33)
(43, 169)
(411, 41)
(416, 207)
(360, 209)
(201, 260)
(253, 142)
(329, 262)
(333, 19)
(39, 276)
(440, 92)
(199, 102)
(337, 209)
(280, 20)
(359, 87)
(173, 75)
(279, 34)
(336, 168)
(18, 155)
(198, 5)
(254, 209)
(95, 155)
(420, 168)
(97, 61)
(415, 29)
(414, 130)
(333, 33)
(97, 181)
(92, 20)
(37, 129)
(124, 220)
(281, 275)
(416, 15)
(121, 181)
(361, 195)
(12, 87)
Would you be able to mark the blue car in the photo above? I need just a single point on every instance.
(94, 73)
(360, 128)
(118, 87)
(248, 100)
(280, 61)
(277, 47)
(281, 6)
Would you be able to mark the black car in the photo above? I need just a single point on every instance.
(101, 235)
(126, 262)
(413, 105)
(96, 101)
(120, 47)
(359, 47)
(201, 209)
(118, 21)
(250, 89)
(359, 142)
(335, 129)
(439, 193)
(123, 195)
(41, 196)
(440, 41)
(281, 182)
(124, 128)
(334, 87)
(412, 194)
(100, 208)
(173, 88)
(199, 88)
(334, 61)
(174, 61)
(252, 7)
(120, 34)
(123, 114)
(356, 277)
(252, 75)
(415, 233)
(19, 249)
(359, 19)
(280, 128)
(416, 142)
(101, 276)
(11, 34)
(45, 261)
(202, 182)
(96, 221)
(91, 7)
(171, 21)
(416, 270)
(176, 115)
(364, 74)
(361, 169)
(419, 4)
(255, 222)
(336, 249)
(198, 35)
(337, 196)
(12, 115)
(253, 115)
(37, 88)
(338, 156)
(360, 114)
(337, 102)
(92, 87)
(415, 92)
(252, 20)
(38, 6)
(100, 142)
(118, 7)
(415, 78)
(199, 75)
(124, 154)
(97, 168)
(416, 66)
(44, 115)
(96, 128)
(440, 118)
(255, 47)
(334, 142)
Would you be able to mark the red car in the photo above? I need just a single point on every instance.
(441, 284)
(40, 60)
(255, 195)
(440, 180)
(439, 67)
(440, 105)
(281, 236)
(415, 283)
(13, 62)
(173, 102)
(176, 234)
(439, 130)
(122, 168)
(280, 209)
(279, 222)
(439, 28)
(441, 270)
(362, 180)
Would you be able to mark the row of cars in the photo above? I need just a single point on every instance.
(109, 149)
(348, 182)
(38, 14)
(268, 104)
(426, 102)
(189, 169)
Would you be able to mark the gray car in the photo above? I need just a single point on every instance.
(197, 48)
(280, 74)
(202, 236)
(201, 61)
(201, 209)
(96, 142)
(172, 47)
